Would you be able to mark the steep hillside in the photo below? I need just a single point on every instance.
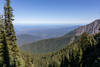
(90, 28)
(53, 44)
(85, 52)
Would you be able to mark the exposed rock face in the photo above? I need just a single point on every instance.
(92, 28)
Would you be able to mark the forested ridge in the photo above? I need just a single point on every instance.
(53, 44)
(83, 52)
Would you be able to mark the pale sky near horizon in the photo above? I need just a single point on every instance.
(55, 11)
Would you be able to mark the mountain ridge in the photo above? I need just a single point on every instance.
(91, 28)
(26, 35)
(49, 45)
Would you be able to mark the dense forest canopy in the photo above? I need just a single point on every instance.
(82, 52)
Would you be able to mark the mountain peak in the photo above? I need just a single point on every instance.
(96, 22)
(91, 28)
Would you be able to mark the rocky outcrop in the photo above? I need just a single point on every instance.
(92, 28)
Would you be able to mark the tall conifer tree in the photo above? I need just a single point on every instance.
(12, 56)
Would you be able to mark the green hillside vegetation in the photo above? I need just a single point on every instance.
(82, 53)
(53, 44)
(49, 45)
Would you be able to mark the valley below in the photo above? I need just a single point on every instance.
(49, 33)
(29, 34)
(80, 51)
(54, 44)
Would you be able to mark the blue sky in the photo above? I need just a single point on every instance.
(55, 11)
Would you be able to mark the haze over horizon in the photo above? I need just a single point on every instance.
(36, 12)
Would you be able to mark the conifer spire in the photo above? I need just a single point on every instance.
(12, 56)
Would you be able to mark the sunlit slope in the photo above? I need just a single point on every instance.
(49, 45)
(85, 52)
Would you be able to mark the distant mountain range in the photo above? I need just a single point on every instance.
(53, 44)
(29, 34)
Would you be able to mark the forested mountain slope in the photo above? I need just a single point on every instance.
(82, 52)
(49, 45)
(85, 52)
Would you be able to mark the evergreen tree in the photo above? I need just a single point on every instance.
(12, 56)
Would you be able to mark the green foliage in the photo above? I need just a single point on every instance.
(86, 41)
(48, 45)
(9, 53)
(81, 53)
(84, 52)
